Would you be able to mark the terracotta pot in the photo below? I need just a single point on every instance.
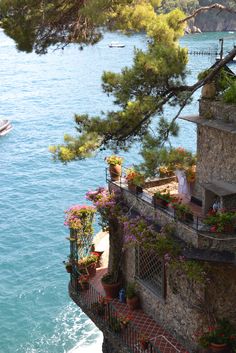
(133, 303)
(219, 348)
(111, 290)
(157, 201)
(69, 268)
(115, 172)
(135, 188)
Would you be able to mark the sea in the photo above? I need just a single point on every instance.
(40, 95)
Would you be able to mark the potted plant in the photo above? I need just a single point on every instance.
(98, 254)
(115, 167)
(221, 221)
(111, 284)
(88, 264)
(135, 180)
(143, 341)
(131, 296)
(166, 171)
(220, 338)
(162, 198)
(183, 212)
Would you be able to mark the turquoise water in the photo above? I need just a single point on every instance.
(40, 94)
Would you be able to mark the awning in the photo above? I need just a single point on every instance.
(220, 187)
(213, 123)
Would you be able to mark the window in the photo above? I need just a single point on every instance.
(150, 270)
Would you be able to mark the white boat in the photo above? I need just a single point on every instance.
(5, 127)
(116, 45)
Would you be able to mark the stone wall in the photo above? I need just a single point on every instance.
(184, 310)
(216, 109)
(143, 205)
(216, 151)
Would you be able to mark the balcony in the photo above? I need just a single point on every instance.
(216, 246)
(131, 324)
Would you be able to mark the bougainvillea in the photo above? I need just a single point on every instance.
(79, 218)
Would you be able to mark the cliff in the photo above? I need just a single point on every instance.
(215, 21)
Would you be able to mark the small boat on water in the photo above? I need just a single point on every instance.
(116, 45)
(5, 127)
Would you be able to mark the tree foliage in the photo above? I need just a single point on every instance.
(140, 92)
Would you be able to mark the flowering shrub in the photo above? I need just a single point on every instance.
(137, 230)
(222, 333)
(114, 160)
(106, 203)
(80, 217)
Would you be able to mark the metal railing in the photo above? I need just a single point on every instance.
(108, 315)
(196, 223)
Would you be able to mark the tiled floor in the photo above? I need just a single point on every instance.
(144, 324)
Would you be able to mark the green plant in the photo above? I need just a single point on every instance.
(229, 96)
(182, 209)
(222, 333)
(131, 290)
(218, 221)
(88, 260)
(114, 160)
(164, 195)
(134, 176)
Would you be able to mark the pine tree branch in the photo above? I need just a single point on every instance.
(207, 8)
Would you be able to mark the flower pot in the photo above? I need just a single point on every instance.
(111, 290)
(157, 201)
(131, 187)
(115, 172)
(219, 348)
(69, 268)
(133, 303)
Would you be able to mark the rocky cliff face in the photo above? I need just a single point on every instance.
(215, 20)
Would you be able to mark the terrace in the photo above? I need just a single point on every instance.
(137, 322)
(192, 231)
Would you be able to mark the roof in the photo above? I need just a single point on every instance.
(213, 123)
(220, 187)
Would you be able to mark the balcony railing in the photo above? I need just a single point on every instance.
(197, 223)
(109, 317)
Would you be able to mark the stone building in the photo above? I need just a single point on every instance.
(179, 304)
